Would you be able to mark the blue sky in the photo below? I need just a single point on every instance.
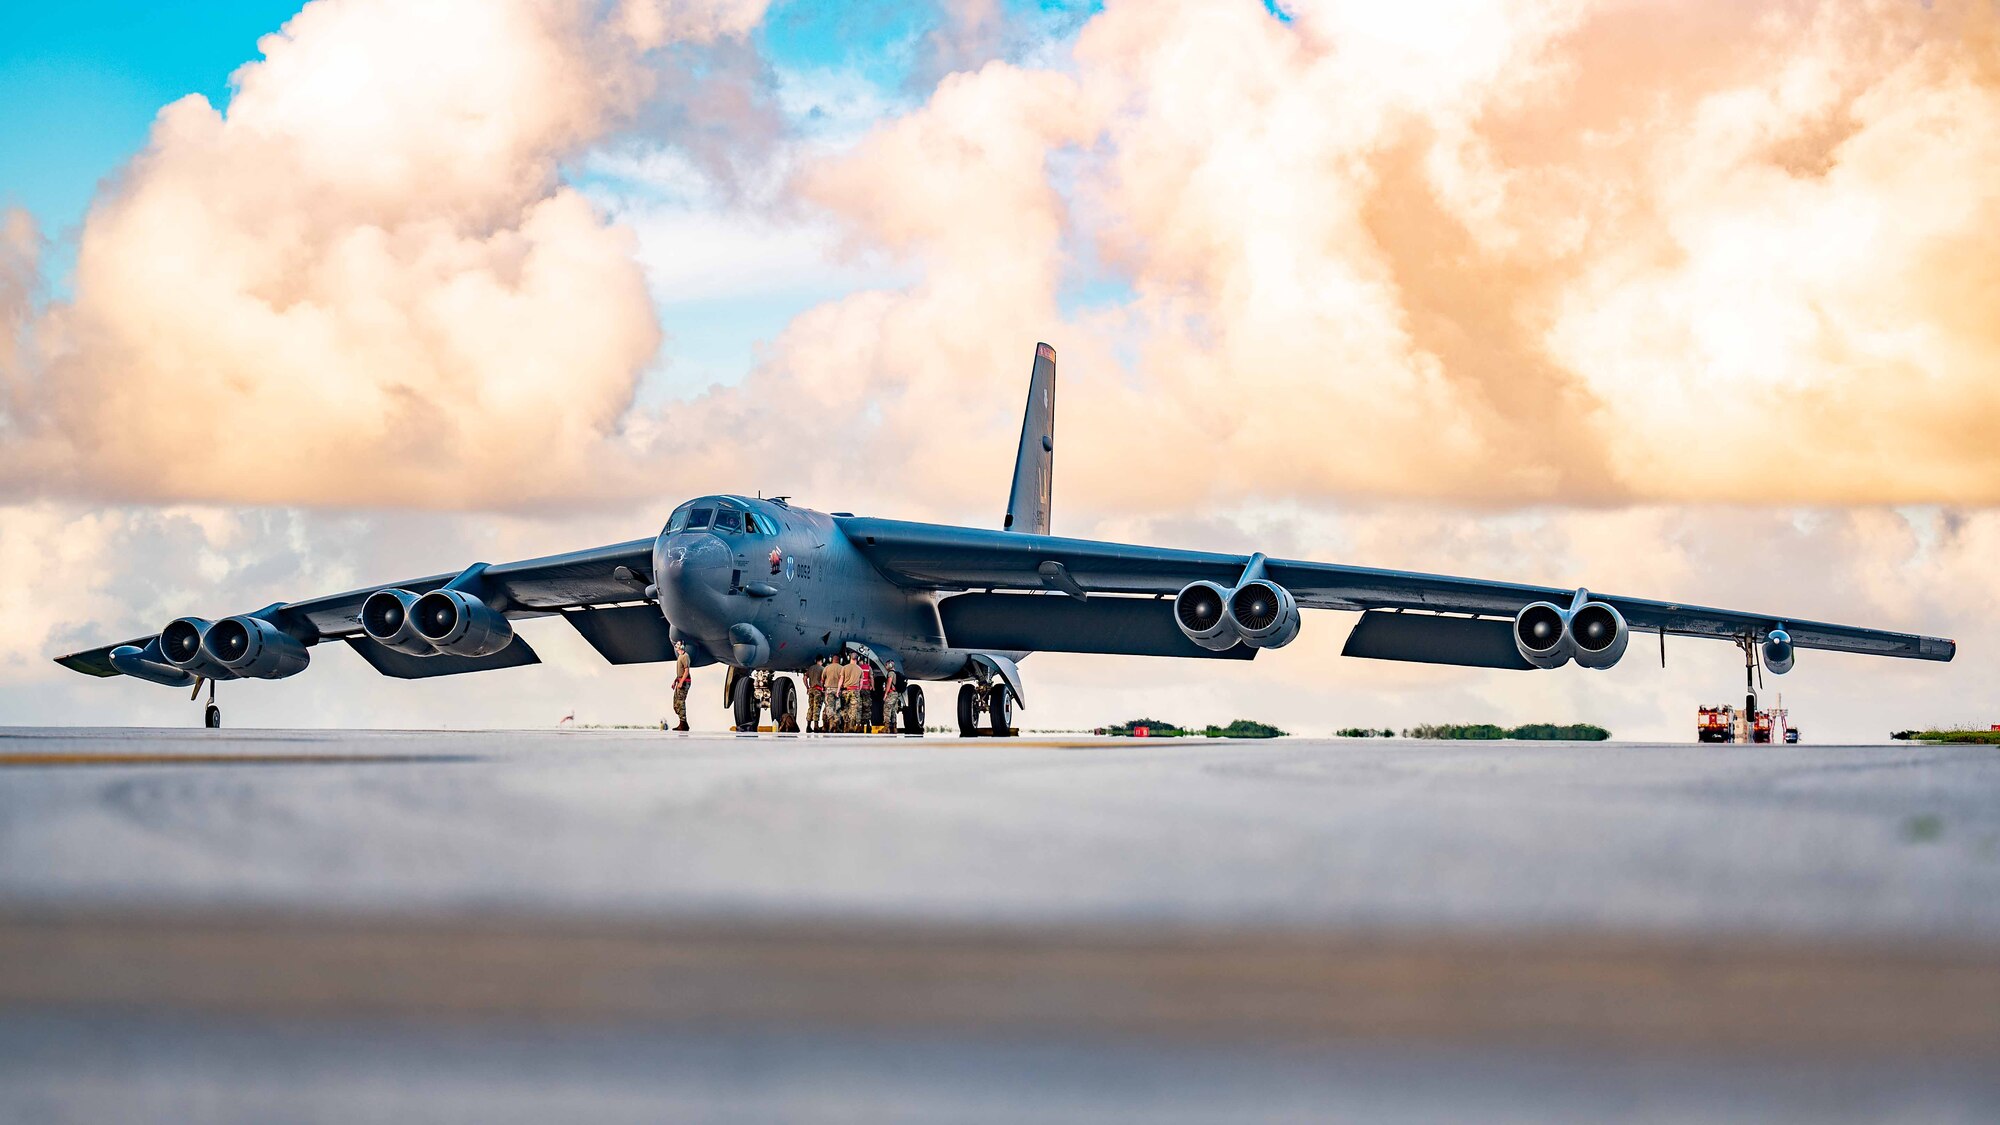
(81, 81)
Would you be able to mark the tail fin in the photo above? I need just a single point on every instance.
(1034, 465)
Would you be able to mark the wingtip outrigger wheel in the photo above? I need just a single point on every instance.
(211, 716)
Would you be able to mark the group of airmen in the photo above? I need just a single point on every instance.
(839, 693)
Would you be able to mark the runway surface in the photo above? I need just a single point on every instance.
(238, 925)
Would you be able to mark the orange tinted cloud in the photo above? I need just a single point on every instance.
(1490, 252)
(1495, 252)
(366, 282)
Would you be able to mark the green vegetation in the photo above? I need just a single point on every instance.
(1155, 728)
(1972, 737)
(1243, 728)
(1364, 732)
(1545, 732)
(1160, 728)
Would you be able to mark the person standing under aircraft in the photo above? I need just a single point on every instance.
(683, 676)
(833, 687)
(815, 693)
(862, 708)
(892, 697)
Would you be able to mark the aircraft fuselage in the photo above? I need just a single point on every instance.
(764, 584)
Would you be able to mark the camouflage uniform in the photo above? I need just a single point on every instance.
(861, 680)
(835, 716)
(892, 700)
(815, 694)
(683, 676)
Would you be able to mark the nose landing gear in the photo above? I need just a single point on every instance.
(751, 694)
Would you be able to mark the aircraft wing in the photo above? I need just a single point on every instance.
(952, 558)
(530, 588)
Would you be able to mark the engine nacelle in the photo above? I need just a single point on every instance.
(1541, 633)
(1778, 652)
(254, 648)
(1201, 609)
(387, 616)
(180, 643)
(1598, 635)
(1263, 614)
(459, 624)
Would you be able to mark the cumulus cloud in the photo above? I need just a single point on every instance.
(1501, 252)
(367, 280)
(20, 253)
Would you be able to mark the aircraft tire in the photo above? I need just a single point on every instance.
(913, 709)
(745, 704)
(212, 717)
(1000, 710)
(784, 703)
(968, 711)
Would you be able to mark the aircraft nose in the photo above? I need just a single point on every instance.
(693, 577)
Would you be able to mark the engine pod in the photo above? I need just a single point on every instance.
(1201, 610)
(1264, 614)
(254, 648)
(1598, 635)
(455, 622)
(181, 644)
(388, 617)
(1541, 633)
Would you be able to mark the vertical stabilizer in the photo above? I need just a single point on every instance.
(1034, 464)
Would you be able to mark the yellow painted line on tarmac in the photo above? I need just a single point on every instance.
(29, 760)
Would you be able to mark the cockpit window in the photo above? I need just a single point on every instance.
(699, 518)
(728, 519)
(679, 519)
(760, 525)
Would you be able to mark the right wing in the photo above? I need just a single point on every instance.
(935, 556)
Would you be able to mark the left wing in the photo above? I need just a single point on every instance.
(579, 582)
(935, 556)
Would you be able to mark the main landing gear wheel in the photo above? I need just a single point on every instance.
(968, 711)
(913, 710)
(212, 717)
(784, 704)
(1000, 710)
(745, 703)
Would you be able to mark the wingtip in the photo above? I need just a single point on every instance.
(1043, 351)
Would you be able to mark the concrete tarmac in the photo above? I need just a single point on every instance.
(241, 925)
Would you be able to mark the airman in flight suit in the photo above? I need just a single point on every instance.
(835, 716)
(861, 676)
(892, 698)
(683, 676)
(815, 693)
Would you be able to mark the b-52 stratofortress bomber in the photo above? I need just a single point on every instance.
(767, 587)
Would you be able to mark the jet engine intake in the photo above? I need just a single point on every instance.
(1263, 614)
(456, 623)
(254, 648)
(180, 643)
(1541, 633)
(1598, 634)
(1778, 652)
(388, 619)
(1201, 610)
